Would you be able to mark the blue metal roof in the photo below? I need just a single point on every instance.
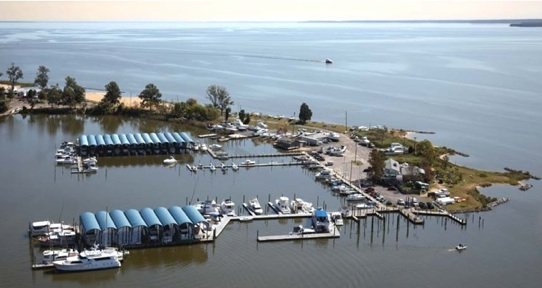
(124, 139)
(147, 138)
(135, 218)
(179, 215)
(108, 140)
(164, 216)
(100, 140)
(89, 222)
(170, 138)
(139, 138)
(119, 219)
(162, 138)
(131, 139)
(186, 138)
(105, 220)
(116, 139)
(193, 213)
(155, 139)
(91, 140)
(150, 217)
(83, 141)
(179, 139)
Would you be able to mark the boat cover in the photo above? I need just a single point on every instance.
(150, 217)
(164, 216)
(88, 222)
(119, 219)
(179, 215)
(135, 218)
(193, 213)
(104, 220)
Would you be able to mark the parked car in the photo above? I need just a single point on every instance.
(423, 205)
(430, 205)
(400, 202)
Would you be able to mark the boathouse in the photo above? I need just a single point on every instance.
(134, 228)
(134, 144)
(139, 227)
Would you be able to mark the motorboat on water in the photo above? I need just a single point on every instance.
(212, 167)
(95, 259)
(254, 206)
(234, 166)
(355, 197)
(298, 205)
(283, 205)
(246, 218)
(203, 147)
(321, 221)
(460, 247)
(58, 238)
(227, 207)
(215, 147)
(223, 167)
(328, 61)
(249, 162)
(65, 159)
(169, 161)
(90, 161)
(48, 256)
(210, 208)
(39, 228)
(336, 217)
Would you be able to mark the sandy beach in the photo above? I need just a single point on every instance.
(96, 96)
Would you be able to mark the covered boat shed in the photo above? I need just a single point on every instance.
(123, 227)
(168, 224)
(184, 224)
(89, 227)
(154, 225)
(107, 227)
(139, 227)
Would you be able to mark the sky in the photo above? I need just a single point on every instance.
(267, 10)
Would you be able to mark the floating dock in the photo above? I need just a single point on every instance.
(301, 236)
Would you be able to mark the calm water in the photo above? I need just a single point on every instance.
(504, 251)
(475, 85)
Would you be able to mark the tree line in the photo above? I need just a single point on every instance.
(73, 94)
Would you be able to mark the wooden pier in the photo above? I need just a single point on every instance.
(441, 213)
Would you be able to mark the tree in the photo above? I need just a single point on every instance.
(112, 96)
(72, 94)
(376, 159)
(305, 113)
(242, 115)
(150, 96)
(54, 96)
(227, 114)
(41, 77)
(14, 73)
(219, 97)
(247, 119)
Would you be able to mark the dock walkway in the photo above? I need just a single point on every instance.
(301, 236)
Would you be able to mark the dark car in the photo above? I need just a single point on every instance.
(430, 205)
(392, 188)
(370, 190)
(423, 205)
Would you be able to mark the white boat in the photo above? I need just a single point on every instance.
(298, 205)
(234, 166)
(324, 174)
(460, 247)
(249, 162)
(254, 206)
(58, 238)
(355, 197)
(321, 221)
(38, 228)
(48, 256)
(215, 147)
(210, 208)
(169, 161)
(227, 207)
(90, 260)
(212, 167)
(337, 218)
(90, 161)
(246, 218)
(328, 61)
(65, 159)
(283, 205)
(223, 167)
(334, 136)
(203, 147)
(196, 147)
